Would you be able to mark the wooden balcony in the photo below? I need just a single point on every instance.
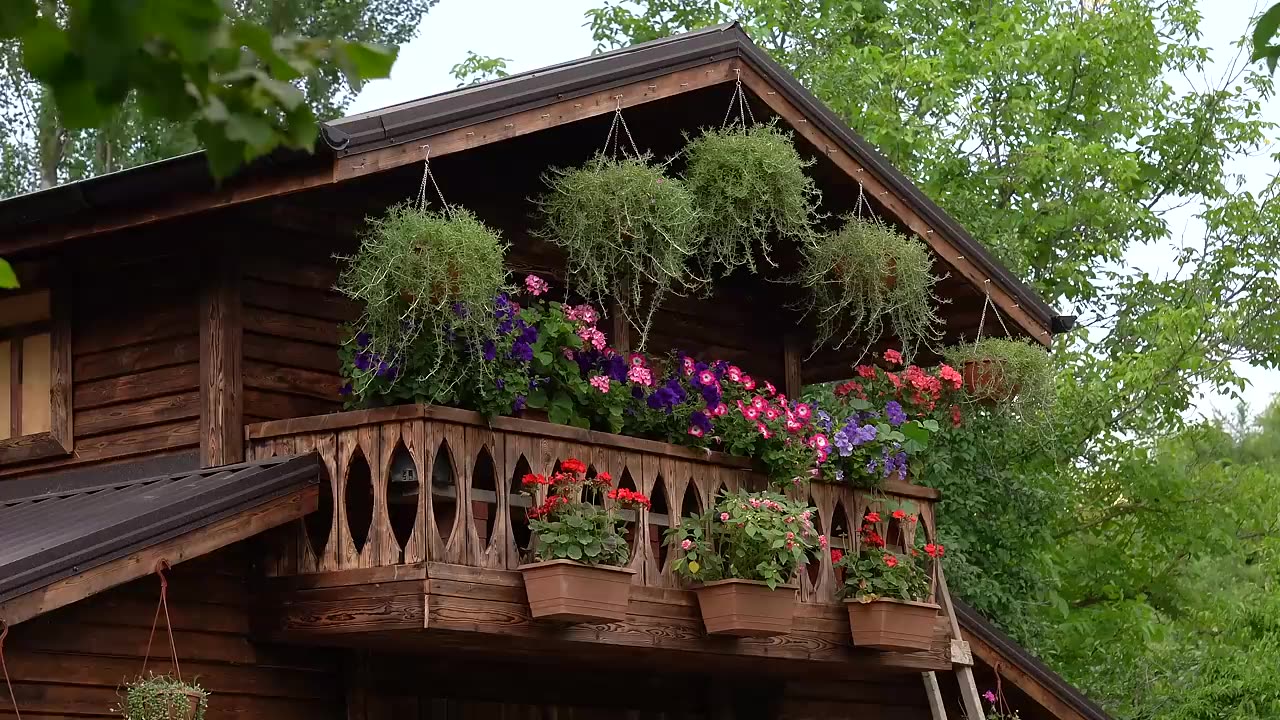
(421, 527)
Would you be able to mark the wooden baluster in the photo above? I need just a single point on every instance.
(433, 542)
(411, 434)
(327, 446)
(374, 551)
(491, 552)
(456, 548)
(347, 556)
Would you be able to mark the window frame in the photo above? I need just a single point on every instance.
(58, 441)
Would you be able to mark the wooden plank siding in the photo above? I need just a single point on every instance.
(71, 662)
(135, 358)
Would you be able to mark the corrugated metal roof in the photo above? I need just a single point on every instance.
(47, 537)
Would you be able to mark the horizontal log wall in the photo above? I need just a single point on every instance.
(70, 663)
(135, 358)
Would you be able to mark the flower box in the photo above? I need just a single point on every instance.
(889, 624)
(746, 608)
(570, 592)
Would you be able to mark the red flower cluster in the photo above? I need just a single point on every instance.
(573, 465)
(628, 497)
(546, 507)
(531, 480)
(934, 551)
(836, 555)
(890, 560)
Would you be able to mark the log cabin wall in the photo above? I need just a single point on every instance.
(135, 352)
(71, 662)
(402, 687)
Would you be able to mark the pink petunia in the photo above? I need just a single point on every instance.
(758, 402)
(751, 413)
(768, 386)
(748, 383)
(706, 377)
(803, 411)
(695, 431)
(818, 441)
(637, 360)
(764, 430)
(793, 425)
(771, 413)
(720, 410)
(734, 373)
(686, 364)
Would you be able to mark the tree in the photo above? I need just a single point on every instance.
(1265, 31)
(91, 87)
(1052, 131)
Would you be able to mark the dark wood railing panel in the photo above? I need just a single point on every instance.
(462, 504)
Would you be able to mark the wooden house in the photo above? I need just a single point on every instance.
(169, 392)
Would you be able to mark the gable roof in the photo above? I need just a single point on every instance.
(383, 139)
(93, 535)
(1010, 660)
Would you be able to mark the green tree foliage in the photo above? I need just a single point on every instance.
(1132, 549)
(1266, 37)
(91, 87)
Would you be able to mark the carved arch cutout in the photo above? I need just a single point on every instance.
(358, 500)
(444, 491)
(484, 496)
(404, 490)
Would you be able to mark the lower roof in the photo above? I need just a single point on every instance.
(51, 536)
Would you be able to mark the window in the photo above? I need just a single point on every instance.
(35, 417)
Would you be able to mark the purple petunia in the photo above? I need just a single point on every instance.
(364, 360)
(893, 411)
(460, 310)
(363, 339)
(490, 351)
(701, 421)
(345, 390)
(518, 404)
(521, 350)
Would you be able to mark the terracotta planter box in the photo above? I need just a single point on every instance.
(567, 591)
(746, 608)
(887, 624)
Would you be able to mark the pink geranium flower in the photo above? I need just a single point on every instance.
(535, 285)
(640, 375)
(600, 382)
(893, 357)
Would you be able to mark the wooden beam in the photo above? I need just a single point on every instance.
(551, 115)
(221, 382)
(792, 359)
(877, 186)
(485, 607)
(1008, 669)
(184, 547)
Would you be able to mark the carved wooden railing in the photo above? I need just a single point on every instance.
(398, 477)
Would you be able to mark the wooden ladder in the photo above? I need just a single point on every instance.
(961, 662)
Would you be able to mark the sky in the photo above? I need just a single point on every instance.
(535, 33)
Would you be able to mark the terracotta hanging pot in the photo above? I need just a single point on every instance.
(889, 624)
(184, 705)
(746, 608)
(570, 592)
(984, 382)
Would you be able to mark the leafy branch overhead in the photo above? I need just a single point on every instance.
(184, 60)
(1266, 38)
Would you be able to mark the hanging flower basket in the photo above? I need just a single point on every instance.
(163, 697)
(867, 279)
(997, 370)
(890, 624)
(627, 230)
(750, 187)
(746, 608)
(570, 592)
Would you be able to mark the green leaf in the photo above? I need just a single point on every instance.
(361, 62)
(575, 552)
(8, 278)
(16, 17)
(1266, 29)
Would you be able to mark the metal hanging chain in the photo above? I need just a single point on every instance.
(740, 98)
(982, 320)
(422, 188)
(161, 566)
(615, 137)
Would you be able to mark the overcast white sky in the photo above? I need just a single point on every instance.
(536, 33)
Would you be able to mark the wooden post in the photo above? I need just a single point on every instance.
(621, 329)
(964, 672)
(793, 381)
(937, 710)
(221, 382)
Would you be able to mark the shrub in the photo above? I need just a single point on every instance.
(628, 232)
(749, 184)
(865, 277)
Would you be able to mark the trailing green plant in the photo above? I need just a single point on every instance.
(628, 231)
(749, 185)
(163, 697)
(759, 536)
(866, 277)
(427, 281)
(1016, 373)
